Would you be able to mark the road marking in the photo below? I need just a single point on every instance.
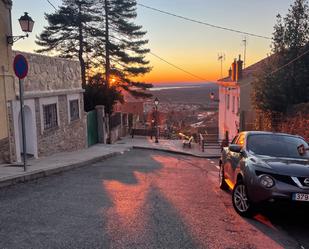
(217, 167)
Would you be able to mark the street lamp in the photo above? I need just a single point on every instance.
(213, 98)
(26, 24)
(156, 102)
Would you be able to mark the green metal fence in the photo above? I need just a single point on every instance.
(92, 128)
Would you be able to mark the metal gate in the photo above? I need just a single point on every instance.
(92, 128)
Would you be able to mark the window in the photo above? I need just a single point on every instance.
(74, 110)
(278, 146)
(227, 101)
(50, 116)
(233, 104)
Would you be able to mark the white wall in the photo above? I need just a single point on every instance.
(228, 120)
(30, 125)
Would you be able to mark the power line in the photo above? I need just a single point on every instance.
(179, 68)
(158, 57)
(289, 63)
(203, 23)
(282, 67)
(51, 4)
(169, 63)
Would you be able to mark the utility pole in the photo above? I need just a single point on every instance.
(81, 44)
(245, 41)
(107, 63)
(107, 53)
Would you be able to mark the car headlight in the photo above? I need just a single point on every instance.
(267, 181)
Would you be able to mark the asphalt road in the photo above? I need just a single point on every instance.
(142, 199)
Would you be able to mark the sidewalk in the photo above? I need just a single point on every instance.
(174, 146)
(12, 174)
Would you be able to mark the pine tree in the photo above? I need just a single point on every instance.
(123, 53)
(71, 30)
(277, 90)
(98, 93)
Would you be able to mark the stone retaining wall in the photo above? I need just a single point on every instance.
(298, 124)
(50, 73)
(69, 136)
(4, 150)
(295, 121)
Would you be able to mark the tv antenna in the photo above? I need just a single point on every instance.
(245, 43)
(221, 58)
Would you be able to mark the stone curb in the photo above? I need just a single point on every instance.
(29, 176)
(175, 152)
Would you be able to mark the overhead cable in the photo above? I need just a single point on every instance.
(179, 68)
(203, 23)
(51, 4)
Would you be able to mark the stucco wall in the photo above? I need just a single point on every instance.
(6, 81)
(48, 74)
(228, 118)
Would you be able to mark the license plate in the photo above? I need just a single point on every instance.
(300, 197)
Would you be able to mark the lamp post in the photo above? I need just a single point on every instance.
(26, 24)
(156, 102)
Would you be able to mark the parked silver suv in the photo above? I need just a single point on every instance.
(264, 166)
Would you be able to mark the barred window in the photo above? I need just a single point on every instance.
(74, 110)
(50, 116)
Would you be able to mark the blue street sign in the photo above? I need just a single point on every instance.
(20, 66)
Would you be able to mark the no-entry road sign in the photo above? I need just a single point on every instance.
(20, 66)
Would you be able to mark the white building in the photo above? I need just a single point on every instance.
(236, 112)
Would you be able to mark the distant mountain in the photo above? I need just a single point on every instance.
(183, 84)
(186, 93)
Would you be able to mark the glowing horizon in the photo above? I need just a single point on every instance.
(193, 47)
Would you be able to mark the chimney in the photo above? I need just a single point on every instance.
(239, 69)
(234, 66)
(230, 72)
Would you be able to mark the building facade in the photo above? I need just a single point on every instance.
(6, 79)
(54, 117)
(236, 112)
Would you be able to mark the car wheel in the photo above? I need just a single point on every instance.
(240, 200)
(222, 184)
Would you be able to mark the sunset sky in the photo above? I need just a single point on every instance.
(190, 46)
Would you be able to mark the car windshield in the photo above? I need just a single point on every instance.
(278, 146)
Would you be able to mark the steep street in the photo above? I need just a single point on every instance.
(141, 199)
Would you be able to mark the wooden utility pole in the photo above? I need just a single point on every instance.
(81, 45)
(107, 53)
(107, 63)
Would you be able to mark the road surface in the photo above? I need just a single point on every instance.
(142, 199)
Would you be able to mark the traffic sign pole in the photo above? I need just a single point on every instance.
(21, 71)
(23, 130)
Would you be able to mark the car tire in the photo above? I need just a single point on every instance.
(241, 203)
(222, 183)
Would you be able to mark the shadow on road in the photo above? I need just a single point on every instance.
(287, 223)
(165, 224)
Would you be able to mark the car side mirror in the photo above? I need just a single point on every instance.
(235, 148)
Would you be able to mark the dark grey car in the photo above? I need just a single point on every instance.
(264, 166)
